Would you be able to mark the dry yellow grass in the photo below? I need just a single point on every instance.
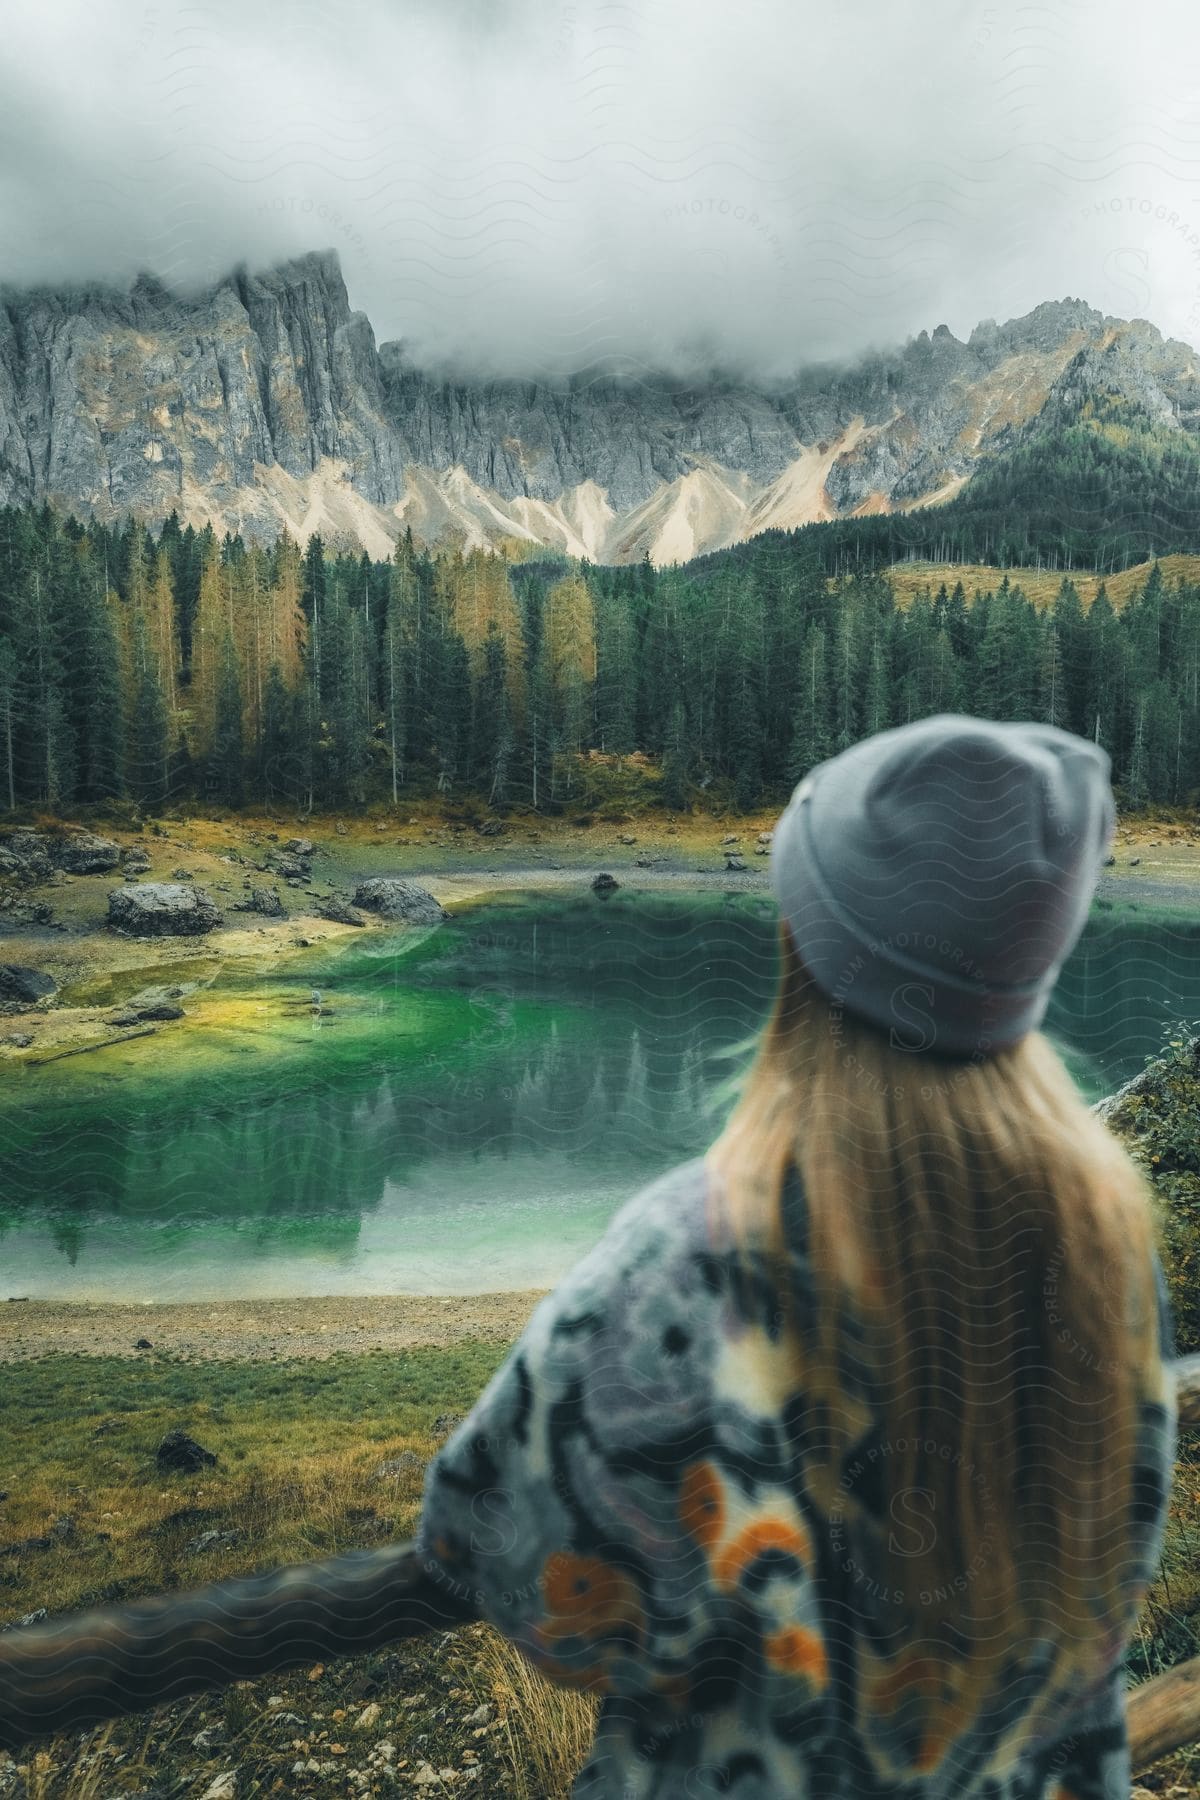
(547, 1730)
(1041, 585)
(298, 1446)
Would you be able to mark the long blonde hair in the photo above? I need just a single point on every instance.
(994, 1240)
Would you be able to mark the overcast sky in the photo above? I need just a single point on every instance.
(532, 185)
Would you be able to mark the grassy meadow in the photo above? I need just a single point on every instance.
(300, 1446)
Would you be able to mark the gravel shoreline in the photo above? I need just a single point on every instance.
(258, 1330)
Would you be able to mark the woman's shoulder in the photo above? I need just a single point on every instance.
(661, 1223)
(668, 1210)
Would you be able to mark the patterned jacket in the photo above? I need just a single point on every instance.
(624, 1505)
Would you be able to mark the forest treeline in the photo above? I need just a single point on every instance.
(158, 667)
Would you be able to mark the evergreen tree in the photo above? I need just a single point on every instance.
(1101, 658)
(187, 552)
(541, 732)
(675, 761)
(746, 739)
(494, 728)
(47, 738)
(278, 779)
(226, 757)
(845, 681)
(811, 730)
(1069, 626)
(1162, 744)
(313, 601)
(946, 683)
(8, 723)
(453, 711)
(569, 634)
(92, 663)
(211, 626)
(147, 730)
(355, 713)
(1052, 704)
(877, 704)
(916, 663)
(956, 620)
(396, 668)
(616, 675)
(1137, 776)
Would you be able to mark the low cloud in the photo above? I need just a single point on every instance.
(528, 188)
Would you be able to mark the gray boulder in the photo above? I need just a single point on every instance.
(26, 855)
(393, 897)
(28, 912)
(179, 1451)
(23, 987)
(83, 853)
(161, 909)
(340, 912)
(265, 902)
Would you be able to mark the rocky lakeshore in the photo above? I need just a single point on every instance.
(87, 905)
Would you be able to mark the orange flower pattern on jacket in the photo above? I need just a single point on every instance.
(798, 1651)
(629, 1501)
(587, 1597)
(760, 1539)
(701, 1504)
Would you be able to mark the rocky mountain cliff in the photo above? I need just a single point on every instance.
(266, 402)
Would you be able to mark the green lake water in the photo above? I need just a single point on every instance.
(456, 1110)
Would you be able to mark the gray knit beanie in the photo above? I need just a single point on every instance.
(935, 877)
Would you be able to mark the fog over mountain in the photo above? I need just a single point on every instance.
(521, 186)
(265, 402)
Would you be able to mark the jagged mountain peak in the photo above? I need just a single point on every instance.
(262, 400)
(148, 292)
(1110, 381)
(1052, 321)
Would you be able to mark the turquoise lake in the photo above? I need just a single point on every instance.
(453, 1111)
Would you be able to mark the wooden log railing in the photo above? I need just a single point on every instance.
(72, 1672)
